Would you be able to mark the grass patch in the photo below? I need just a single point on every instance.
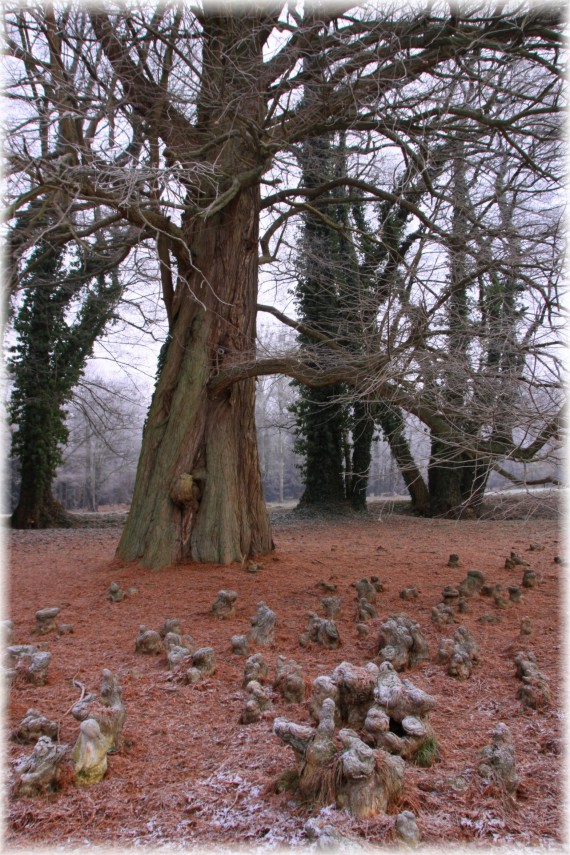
(427, 753)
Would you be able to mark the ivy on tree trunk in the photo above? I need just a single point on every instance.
(45, 365)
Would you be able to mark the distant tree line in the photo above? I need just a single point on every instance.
(104, 427)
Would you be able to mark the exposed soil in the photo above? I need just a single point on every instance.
(190, 774)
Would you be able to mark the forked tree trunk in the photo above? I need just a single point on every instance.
(457, 483)
(473, 485)
(189, 433)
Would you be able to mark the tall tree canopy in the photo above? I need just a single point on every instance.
(185, 123)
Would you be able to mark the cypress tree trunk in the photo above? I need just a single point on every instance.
(473, 485)
(198, 491)
(220, 515)
(447, 464)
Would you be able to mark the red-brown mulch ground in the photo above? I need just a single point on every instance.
(191, 775)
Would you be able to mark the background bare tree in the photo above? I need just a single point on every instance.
(105, 423)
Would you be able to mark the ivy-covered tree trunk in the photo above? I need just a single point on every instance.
(37, 507)
(320, 415)
(46, 363)
(198, 492)
(448, 462)
(362, 433)
(40, 423)
(321, 443)
(391, 420)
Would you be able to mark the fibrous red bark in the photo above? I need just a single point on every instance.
(198, 492)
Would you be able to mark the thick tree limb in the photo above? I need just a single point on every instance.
(537, 482)
(370, 377)
(305, 330)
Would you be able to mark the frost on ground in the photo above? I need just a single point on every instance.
(191, 775)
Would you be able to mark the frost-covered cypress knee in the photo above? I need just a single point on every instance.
(364, 610)
(355, 685)
(34, 725)
(460, 653)
(397, 721)
(529, 579)
(240, 645)
(149, 642)
(42, 772)
(28, 663)
(289, 680)
(107, 709)
(170, 625)
(257, 702)
(89, 753)
(406, 828)
(204, 659)
(368, 589)
(115, 593)
(262, 625)
(472, 583)
(224, 604)
(320, 631)
(357, 777)
(314, 750)
(177, 654)
(255, 668)
(443, 614)
(331, 607)
(371, 779)
(500, 597)
(535, 691)
(401, 643)
(498, 761)
(323, 687)
(46, 620)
